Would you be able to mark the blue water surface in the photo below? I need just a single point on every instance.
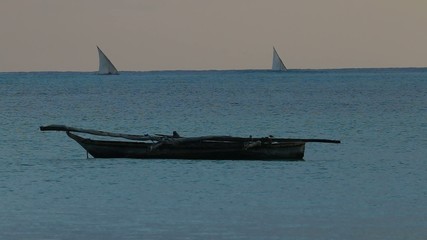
(372, 186)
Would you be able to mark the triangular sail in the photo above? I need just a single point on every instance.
(277, 62)
(105, 65)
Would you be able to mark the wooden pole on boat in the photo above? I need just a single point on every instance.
(179, 140)
(98, 133)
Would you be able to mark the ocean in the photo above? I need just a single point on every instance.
(371, 186)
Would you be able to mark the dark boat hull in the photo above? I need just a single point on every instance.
(202, 150)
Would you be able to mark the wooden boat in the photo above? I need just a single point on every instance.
(176, 147)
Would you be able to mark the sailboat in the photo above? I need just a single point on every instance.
(105, 65)
(277, 62)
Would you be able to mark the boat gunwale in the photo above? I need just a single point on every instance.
(196, 151)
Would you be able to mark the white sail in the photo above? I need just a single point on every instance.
(277, 62)
(105, 65)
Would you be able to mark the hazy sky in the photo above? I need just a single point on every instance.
(142, 35)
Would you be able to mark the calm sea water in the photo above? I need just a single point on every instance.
(372, 186)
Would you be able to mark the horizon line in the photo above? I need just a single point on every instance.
(224, 70)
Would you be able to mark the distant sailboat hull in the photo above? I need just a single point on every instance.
(106, 67)
(277, 62)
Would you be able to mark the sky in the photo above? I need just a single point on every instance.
(145, 35)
